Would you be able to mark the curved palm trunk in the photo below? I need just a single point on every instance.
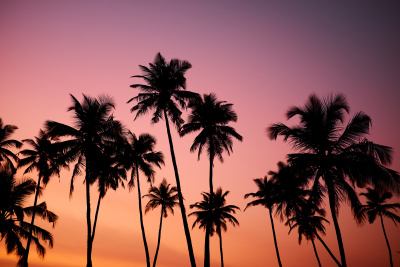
(95, 217)
(141, 219)
(178, 186)
(220, 247)
(273, 232)
(315, 251)
(32, 222)
(159, 239)
(336, 224)
(207, 248)
(88, 221)
(327, 249)
(387, 242)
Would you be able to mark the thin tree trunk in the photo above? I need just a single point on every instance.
(141, 218)
(273, 232)
(95, 217)
(327, 249)
(158, 240)
(32, 222)
(181, 205)
(387, 242)
(315, 251)
(220, 247)
(211, 169)
(88, 219)
(207, 248)
(336, 224)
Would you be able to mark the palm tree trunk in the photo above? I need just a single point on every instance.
(387, 242)
(220, 247)
(207, 248)
(88, 220)
(95, 217)
(158, 240)
(273, 232)
(178, 186)
(141, 218)
(211, 169)
(336, 224)
(32, 221)
(327, 249)
(315, 251)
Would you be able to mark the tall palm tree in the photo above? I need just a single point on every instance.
(166, 197)
(333, 152)
(141, 156)
(211, 117)
(5, 143)
(44, 158)
(95, 128)
(164, 92)
(266, 196)
(13, 229)
(377, 206)
(222, 214)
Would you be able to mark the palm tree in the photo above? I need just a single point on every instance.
(5, 154)
(165, 197)
(266, 196)
(44, 158)
(377, 206)
(13, 229)
(334, 153)
(95, 128)
(165, 91)
(141, 155)
(211, 117)
(222, 213)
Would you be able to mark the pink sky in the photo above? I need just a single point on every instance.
(262, 57)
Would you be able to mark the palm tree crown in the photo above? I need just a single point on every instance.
(5, 143)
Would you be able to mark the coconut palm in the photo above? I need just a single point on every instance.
(141, 156)
(334, 154)
(5, 143)
(166, 197)
(13, 229)
(165, 92)
(95, 129)
(266, 196)
(44, 158)
(211, 117)
(222, 214)
(377, 206)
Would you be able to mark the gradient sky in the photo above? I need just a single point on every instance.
(261, 56)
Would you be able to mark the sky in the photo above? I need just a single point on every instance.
(261, 56)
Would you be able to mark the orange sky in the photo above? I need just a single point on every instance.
(262, 57)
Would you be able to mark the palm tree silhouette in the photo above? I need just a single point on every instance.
(5, 142)
(165, 197)
(334, 153)
(44, 158)
(377, 206)
(211, 117)
(95, 128)
(266, 196)
(308, 224)
(165, 91)
(141, 155)
(13, 228)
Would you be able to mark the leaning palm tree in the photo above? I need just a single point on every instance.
(44, 158)
(334, 154)
(266, 196)
(211, 117)
(5, 143)
(140, 155)
(377, 206)
(222, 214)
(95, 129)
(13, 229)
(166, 197)
(164, 92)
